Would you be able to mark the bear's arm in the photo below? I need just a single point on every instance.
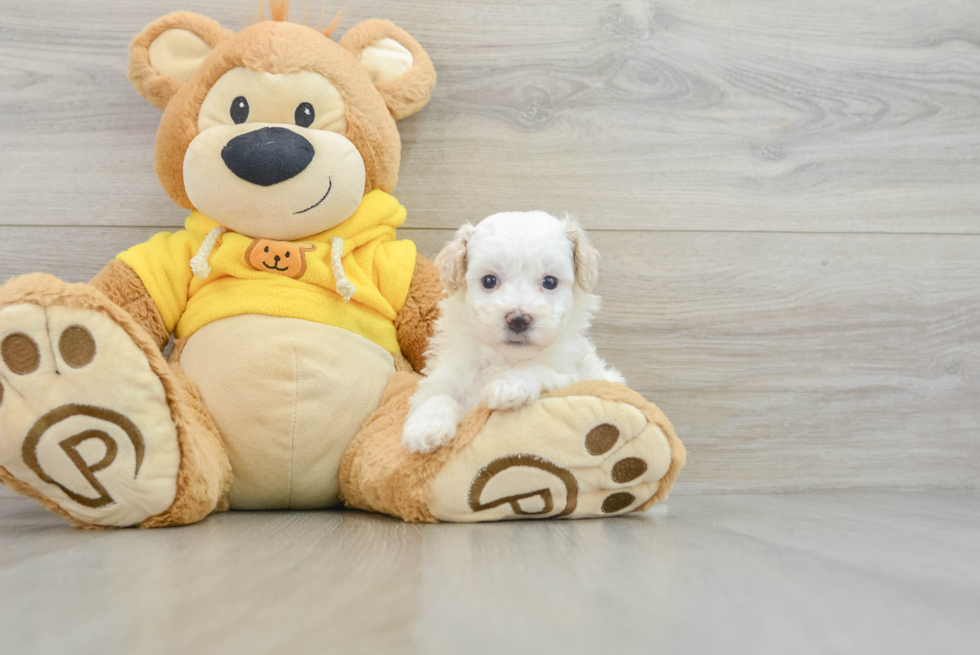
(416, 321)
(123, 286)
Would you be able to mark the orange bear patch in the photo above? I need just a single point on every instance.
(280, 257)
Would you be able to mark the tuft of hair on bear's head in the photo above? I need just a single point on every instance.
(279, 12)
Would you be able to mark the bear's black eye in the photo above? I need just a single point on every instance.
(267, 248)
(287, 253)
(549, 282)
(239, 110)
(489, 281)
(305, 115)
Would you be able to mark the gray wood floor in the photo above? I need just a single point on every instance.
(826, 572)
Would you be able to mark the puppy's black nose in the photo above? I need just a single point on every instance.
(518, 322)
(268, 155)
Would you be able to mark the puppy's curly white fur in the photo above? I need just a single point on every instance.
(513, 325)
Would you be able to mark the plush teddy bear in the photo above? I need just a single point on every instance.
(292, 306)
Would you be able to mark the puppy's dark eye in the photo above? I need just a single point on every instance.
(239, 110)
(549, 282)
(304, 115)
(287, 253)
(489, 281)
(267, 248)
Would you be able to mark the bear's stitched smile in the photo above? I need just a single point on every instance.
(329, 186)
(275, 267)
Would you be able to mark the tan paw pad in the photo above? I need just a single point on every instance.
(83, 418)
(575, 456)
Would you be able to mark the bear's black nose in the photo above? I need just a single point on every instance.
(268, 155)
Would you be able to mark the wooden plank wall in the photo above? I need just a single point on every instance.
(786, 196)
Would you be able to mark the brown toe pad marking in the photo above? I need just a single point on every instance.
(601, 438)
(77, 346)
(617, 501)
(20, 353)
(629, 469)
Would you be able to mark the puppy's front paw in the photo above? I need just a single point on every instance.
(424, 434)
(509, 393)
(431, 426)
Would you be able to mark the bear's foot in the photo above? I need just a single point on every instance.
(588, 450)
(86, 424)
(592, 449)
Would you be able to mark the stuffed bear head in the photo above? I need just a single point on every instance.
(277, 131)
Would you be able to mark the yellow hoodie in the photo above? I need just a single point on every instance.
(288, 279)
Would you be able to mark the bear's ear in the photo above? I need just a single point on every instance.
(168, 52)
(399, 67)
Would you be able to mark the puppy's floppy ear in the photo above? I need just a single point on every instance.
(451, 261)
(585, 255)
(400, 69)
(168, 52)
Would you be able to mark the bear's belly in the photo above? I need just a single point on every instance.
(288, 396)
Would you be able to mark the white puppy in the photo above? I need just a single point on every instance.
(513, 324)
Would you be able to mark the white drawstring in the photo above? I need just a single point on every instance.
(344, 286)
(199, 262)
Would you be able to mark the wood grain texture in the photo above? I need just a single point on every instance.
(671, 115)
(785, 361)
(785, 196)
(834, 572)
